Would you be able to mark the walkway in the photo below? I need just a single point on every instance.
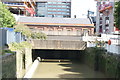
(71, 69)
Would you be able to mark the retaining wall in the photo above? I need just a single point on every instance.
(100, 60)
(9, 66)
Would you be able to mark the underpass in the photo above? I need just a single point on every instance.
(62, 64)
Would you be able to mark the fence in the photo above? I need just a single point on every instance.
(114, 47)
(8, 36)
(2, 37)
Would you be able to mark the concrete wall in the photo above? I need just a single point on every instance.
(2, 37)
(16, 65)
(59, 37)
(0, 41)
(28, 58)
(113, 48)
(23, 62)
(8, 66)
(100, 60)
(58, 44)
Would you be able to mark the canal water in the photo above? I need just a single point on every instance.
(65, 69)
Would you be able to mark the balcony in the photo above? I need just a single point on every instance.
(104, 7)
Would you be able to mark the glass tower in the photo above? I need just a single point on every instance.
(53, 8)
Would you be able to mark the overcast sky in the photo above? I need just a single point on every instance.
(80, 7)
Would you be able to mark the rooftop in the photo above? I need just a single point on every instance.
(55, 21)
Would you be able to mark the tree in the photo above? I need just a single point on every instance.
(6, 17)
(28, 33)
(23, 29)
(37, 35)
(117, 15)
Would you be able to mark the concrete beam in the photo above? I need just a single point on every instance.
(59, 44)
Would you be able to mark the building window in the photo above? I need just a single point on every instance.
(100, 22)
(100, 29)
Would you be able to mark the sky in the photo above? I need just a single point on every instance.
(80, 7)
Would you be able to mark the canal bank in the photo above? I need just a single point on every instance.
(100, 63)
(101, 60)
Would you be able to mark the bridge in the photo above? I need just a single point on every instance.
(59, 44)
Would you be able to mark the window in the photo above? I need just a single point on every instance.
(100, 29)
(49, 15)
(49, 2)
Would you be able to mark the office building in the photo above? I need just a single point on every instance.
(105, 17)
(21, 7)
(53, 8)
(40, 8)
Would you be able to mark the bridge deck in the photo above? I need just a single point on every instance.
(59, 44)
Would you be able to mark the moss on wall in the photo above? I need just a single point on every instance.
(9, 66)
(99, 59)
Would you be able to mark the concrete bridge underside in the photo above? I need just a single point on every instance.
(59, 44)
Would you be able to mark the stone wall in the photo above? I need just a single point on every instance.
(9, 66)
(100, 60)
(16, 65)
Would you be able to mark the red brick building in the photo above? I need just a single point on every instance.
(59, 26)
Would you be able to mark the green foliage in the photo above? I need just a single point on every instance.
(23, 29)
(38, 36)
(99, 43)
(19, 46)
(105, 62)
(28, 33)
(117, 14)
(6, 18)
(8, 51)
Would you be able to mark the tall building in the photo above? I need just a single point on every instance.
(53, 8)
(21, 7)
(40, 8)
(105, 17)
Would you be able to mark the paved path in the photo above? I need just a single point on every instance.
(65, 70)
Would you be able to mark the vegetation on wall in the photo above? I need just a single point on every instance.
(19, 46)
(38, 36)
(100, 60)
(23, 29)
(28, 33)
(117, 14)
(6, 17)
(7, 51)
(99, 43)
(9, 67)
